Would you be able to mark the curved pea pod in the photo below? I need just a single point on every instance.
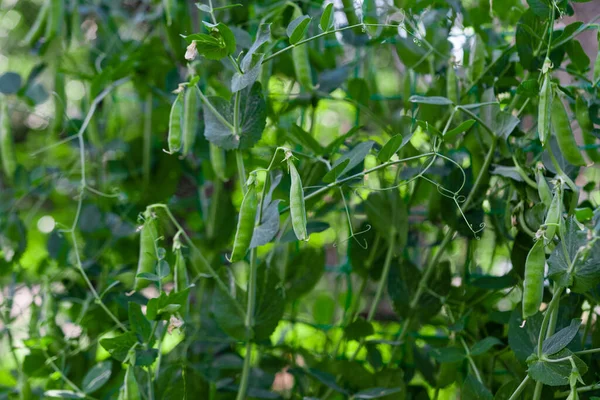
(302, 66)
(554, 214)
(297, 207)
(175, 122)
(245, 225)
(533, 285)
(582, 114)
(451, 84)
(7, 151)
(545, 105)
(59, 102)
(147, 258)
(190, 118)
(564, 134)
(543, 189)
(218, 161)
(39, 25)
(130, 389)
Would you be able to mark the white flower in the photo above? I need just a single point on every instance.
(191, 51)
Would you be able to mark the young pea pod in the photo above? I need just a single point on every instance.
(533, 285)
(190, 118)
(451, 84)
(59, 102)
(130, 389)
(545, 104)
(543, 189)
(181, 279)
(554, 215)
(582, 115)
(7, 151)
(245, 225)
(297, 207)
(564, 134)
(301, 60)
(218, 161)
(175, 132)
(147, 258)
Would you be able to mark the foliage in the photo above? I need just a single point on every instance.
(382, 170)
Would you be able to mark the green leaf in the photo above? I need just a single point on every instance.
(64, 394)
(584, 214)
(149, 276)
(358, 329)
(390, 148)
(448, 354)
(484, 345)
(162, 269)
(268, 226)
(376, 393)
(529, 88)
(304, 269)
(327, 18)
(119, 346)
(541, 8)
(585, 274)
(227, 315)
(297, 28)
(378, 206)
(138, 322)
(249, 75)
(529, 33)
(358, 90)
(211, 47)
(435, 100)
(561, 339)
(323, 309)
(462, 127)
(219, 128)
(523, 339)
(474, 390)
(163, 306)
(350, 160)
(97, 376)
(270, 302)
(262, 36)
(305, 139)
(555, 373)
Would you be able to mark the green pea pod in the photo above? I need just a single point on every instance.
(130, 389)
(543, 189)
(554, 214)
(451, 84)
(564, 134)
(147, 257)
(533, 285)
(297, 207)
(175, 132)
(7, 151)
(301, 60)
(190, 118)
(582, 114)
(245, 225)
(55, 19)
(476, 59)
(39, 25)
(181, 279)
(59, 102)
(218, 161)
(545, 106)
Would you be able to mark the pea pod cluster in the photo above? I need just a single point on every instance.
(297, 206)
(147, 258)
(246, 221)
(7, 151)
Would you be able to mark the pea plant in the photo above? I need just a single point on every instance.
(375, 199)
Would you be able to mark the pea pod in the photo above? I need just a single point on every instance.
(39, 25)
(245, 225)
(533, 285)
(181, 279)
(545, 104)
(147, 257)
(59, 102)
(297, 207)
(554, 214)
(562, 129)
(130, 389)
(218, 161)
(543, 189)
(7, 151)
(190, 118)
(582, 115)
(175, 132)
(301, 60)
(451, 84)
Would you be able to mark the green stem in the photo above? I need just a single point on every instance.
(581, 389)
(239, 158)
(520, 388)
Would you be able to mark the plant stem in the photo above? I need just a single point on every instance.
(239, 158)
(520, 388)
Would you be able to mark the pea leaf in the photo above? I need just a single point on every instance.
(523, 339)
(163, 306)
(326, 22)
(268, 226)
(138, 322)
(297, 28)
(561, 339)
(97, 376)
(305, 139)
(304, 269)
(462, 127)
(64, 394)
(390, 148)
(119, 346)
(529, 88)
(435, 100)
(541, 8)
(484, 345)
(474, 390)
(376, 393)
(586, 265)
(448, 354)
(219, 122)
(349, 160)
(358, 329)
(555, 373)
(209, 46)
(262, 36)
(270, 302)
